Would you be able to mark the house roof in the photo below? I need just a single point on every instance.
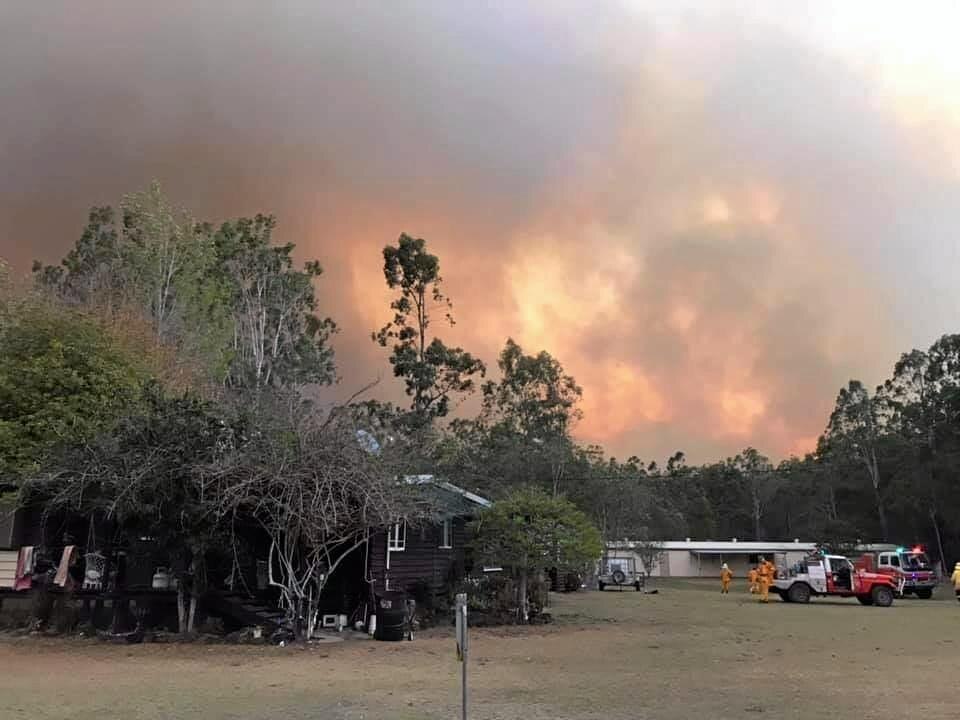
(734, 547)
(448, 498)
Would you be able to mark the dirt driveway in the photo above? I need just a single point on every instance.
(685, 653)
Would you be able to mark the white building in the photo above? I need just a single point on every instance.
(703, 558)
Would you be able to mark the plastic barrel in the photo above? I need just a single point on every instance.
(391, 616)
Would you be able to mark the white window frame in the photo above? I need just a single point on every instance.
(446, 534)
(397, 537)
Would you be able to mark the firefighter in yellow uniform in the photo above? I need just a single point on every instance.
(725, 577)
(771, 571)
(753, 577)
(765, 579)
(956, 580)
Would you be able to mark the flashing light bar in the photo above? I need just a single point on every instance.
(914, 549)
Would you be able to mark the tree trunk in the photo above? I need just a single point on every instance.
(193, 612)
(881, 513)
(299, 625)
(936, 530)
(757, 511)
(523, 610)
(181, 608)
(834, 511)
(874, 470)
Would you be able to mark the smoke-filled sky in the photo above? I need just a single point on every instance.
(714, 214)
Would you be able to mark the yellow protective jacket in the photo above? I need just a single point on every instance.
(725, 575)
(956, 577)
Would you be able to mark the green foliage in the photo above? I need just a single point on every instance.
(64, 377)
(529, 530)
(89, 272)
(523, 435)
(156, 258)
(229, 301)
(535, 398)
(278, 337)
(853, 435)
(154, 473)
(433, 373)
(152, 260)
(650, 553)
(169, 267)
(854, 423)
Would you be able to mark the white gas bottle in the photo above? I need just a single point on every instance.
(161, 579)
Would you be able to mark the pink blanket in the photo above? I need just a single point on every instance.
(25, 563)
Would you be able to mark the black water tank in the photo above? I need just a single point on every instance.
(391, 615)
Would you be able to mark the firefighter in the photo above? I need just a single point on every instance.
(753, 576)
(771, 570)
(725, 577)
(956, 580)
(765, 579)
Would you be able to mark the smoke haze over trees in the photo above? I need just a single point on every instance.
(711, 215)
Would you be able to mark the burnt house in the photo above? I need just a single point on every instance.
(430, 554)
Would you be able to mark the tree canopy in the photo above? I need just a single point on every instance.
(65, 376)
(434, 374)
(529, 530)
(229, 300)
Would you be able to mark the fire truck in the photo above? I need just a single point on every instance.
(910, 568)
(823, 574)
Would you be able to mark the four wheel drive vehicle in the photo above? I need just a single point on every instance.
(620, 572)
(909, 567)
(835, 575)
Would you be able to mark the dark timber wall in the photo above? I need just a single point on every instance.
(422, 560)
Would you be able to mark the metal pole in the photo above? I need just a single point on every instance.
(936, 527)
(462, 645)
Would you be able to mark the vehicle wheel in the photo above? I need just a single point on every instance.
(925, 593)
(882, 596)
(600, 586)
(865, 599)
(799, 593)
(618, 577)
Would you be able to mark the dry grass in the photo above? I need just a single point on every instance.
(685, 653)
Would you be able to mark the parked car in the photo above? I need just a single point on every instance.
(620, 572)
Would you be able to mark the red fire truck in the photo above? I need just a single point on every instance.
(821, 573)
(910, 569)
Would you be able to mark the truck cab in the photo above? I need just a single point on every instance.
(910, 568)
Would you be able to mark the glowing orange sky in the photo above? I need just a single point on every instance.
(713, 218)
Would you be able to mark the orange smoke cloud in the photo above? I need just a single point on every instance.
(712, 223)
